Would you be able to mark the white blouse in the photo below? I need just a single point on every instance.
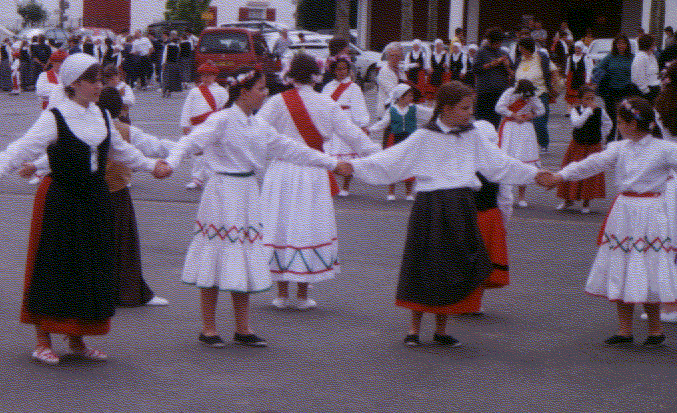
(326, 115)
(126, 93)
(351, 100)
(386, 80)
(644, 71)
(579, 119)
(196, 105)
(87, 124)
(233, 142)
(423, 115)
(534, 104)
(641, 166)
(43, 87)
(443, 160)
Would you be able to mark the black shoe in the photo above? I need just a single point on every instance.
(412, 340)
(250, 340)
(446, 340)
(211, 341)
(654, 340)
(617, 339)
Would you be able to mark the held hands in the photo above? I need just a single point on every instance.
(27, 170)
(162, 169)
(548, 180)
(344, 169)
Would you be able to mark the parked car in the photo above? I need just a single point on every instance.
(599, 48)
(96, 33)
(231, 48)
(56, 35)
(156, 29)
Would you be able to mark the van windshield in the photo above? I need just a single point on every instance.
(224, 42)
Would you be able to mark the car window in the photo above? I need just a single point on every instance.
(600, 46)
(224, 42)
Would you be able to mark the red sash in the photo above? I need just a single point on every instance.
(51, 77)
(340, 89)
(307, 130)
(514, 107)
(517, 105)
(207, 94)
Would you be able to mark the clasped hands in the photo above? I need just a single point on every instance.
(548, 179)
(162, 169)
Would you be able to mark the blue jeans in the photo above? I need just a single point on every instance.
(541, 123)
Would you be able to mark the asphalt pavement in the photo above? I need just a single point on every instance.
(537, 348)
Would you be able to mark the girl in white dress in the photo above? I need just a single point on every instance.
(299, 222)
(516, 135)
(635, 260)
(227, 252)
(349, 95)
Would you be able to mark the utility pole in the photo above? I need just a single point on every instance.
(657, 21)
(63, 5)
(342, 28)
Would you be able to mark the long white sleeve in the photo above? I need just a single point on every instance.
(593, 164)
(578, 120)
(281, 147)
(607, 124)
(126, 153)
(539, 108)
(389, 166)
(198, 138)
(148, 144)
(382, 124)
(496, 165)
(358, 107)
(184, 121)
(31, 145)
(639, 72)
(503, 103)
(351, 134)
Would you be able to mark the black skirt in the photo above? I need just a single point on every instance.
(171, 77)
(445, 258)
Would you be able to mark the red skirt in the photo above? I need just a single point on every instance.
(571, 95)
(586, 189)
(390, 141)
(71, 327)
(491, 228)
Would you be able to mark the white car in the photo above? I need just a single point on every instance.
(600, 48)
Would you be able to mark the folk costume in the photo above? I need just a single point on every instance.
(518, 139)
(171, 69)
(578, 73)
(590, 127)
(6, 58)
(351, 99)
(402, 121)
(386, 80)
(16, 75)
(414, 62)
(438, 64)
(445, 258)
(201, 102)
(299, 222)
(457, 64)
(227, 250)
(635, 259)
(49, 79)
(70, 285)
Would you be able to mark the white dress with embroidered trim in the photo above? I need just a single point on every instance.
(299, 221)
(227, 250)
(519, 139)
(635, 262)
(352, 101)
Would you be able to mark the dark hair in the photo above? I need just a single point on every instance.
(111, 101)
(449, 94)
(302, 68)
(583, 90)
(494, 35)
(645, 42)
(109, 71)
(668, 29)
(666, 101)
(614, 45)
(339, 59)
(528, 43)
(91, 75)
(525, 87)
(336, 44)
(459, 30)
(638, 109)
(234, 91)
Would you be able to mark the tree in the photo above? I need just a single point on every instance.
(188, 10)
(31, 12)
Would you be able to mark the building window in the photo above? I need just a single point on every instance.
(257, 10)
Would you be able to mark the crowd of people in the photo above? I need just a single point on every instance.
(460, 128)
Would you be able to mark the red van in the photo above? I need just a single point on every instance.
(231, 48)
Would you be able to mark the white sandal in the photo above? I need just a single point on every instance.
(90, 353)
(45, 355)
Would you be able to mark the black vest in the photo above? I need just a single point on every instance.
(172, 50)
(577, 72)
(186, 47)
(591, 131)
(412, 74)
(3, 53)
(455, 66)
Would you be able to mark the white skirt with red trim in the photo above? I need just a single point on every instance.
(299, 223)
(337, 148)
(635, 262)
(519, 140)
(227, 251)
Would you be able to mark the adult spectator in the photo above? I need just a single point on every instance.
(6, 59)
(667, 55)
(40, 53)
(536, 66)
(157, 54)
(388, 76)
(415, 61)
(612, 77)
(142, 48)
(186, 59)
(492, 76)
(539, 34)
(565, 33)
(282, 43)
(74, 45)
(644, 68)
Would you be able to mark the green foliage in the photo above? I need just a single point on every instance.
(188, 10)
(31, 11)
(321, 14)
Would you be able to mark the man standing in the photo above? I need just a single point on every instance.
(492, 76)
(142, 49)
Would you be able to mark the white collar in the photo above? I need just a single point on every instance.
(70, 108)
(240, 116)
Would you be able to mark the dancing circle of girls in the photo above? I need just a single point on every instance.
(455, 244)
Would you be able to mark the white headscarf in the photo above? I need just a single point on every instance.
(582, 45)
(74, 66)
(398, 91)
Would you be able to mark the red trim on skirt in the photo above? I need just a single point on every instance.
(491, 227)
(68, 326)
